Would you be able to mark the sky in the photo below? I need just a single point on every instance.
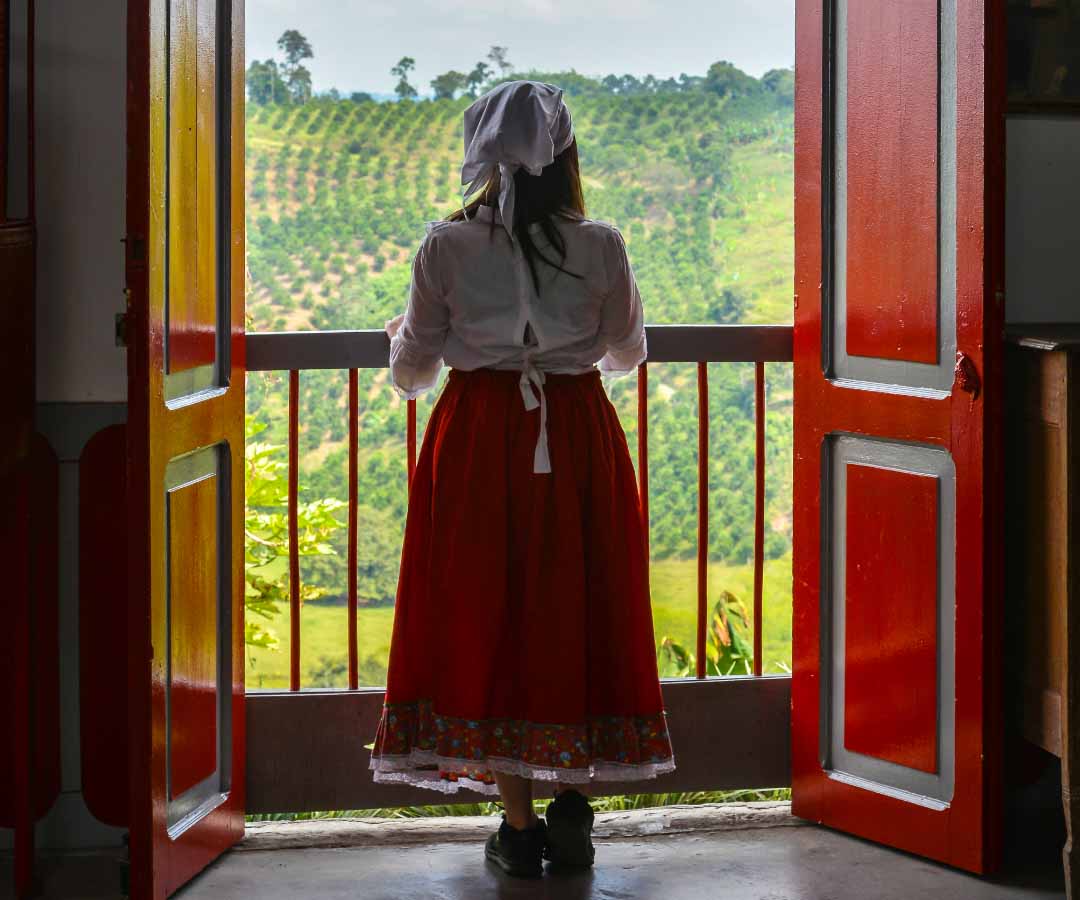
(357, 41)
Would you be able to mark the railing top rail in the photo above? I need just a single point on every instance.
(370, 349)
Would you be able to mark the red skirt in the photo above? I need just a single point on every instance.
(523, 638)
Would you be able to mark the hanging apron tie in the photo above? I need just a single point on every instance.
(530, 376)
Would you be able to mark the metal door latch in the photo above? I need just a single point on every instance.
(120, 323)
(966, 376)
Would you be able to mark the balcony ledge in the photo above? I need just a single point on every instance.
(328, 834)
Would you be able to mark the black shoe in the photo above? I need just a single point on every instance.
(569, 830)
(518, 853)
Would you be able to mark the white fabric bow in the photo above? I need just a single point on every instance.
(530, 376)
(517, 125)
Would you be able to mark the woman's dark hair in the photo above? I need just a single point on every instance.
(539, 199)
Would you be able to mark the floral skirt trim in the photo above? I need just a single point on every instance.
(415, 745)
(427, 770)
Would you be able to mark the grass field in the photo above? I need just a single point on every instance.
(323, 628)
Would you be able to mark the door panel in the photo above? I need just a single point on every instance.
(197, 691)
(185, 465)
(898, 336)
(191, 309)
(892, 530)
(891, 191)
(887, 617)
(890, 50)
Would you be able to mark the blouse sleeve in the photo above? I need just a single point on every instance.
(622, 322)
(418, 336)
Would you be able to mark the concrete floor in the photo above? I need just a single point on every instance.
(751, 851)
(806, 863)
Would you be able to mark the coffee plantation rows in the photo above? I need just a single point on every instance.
(699, 183)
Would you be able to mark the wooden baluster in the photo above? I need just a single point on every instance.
(354, 440)
(294, 531)
(759, 509)
(703, 515)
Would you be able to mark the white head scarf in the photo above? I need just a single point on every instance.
(518, 125)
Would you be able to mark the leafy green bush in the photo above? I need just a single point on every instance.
(266, 536)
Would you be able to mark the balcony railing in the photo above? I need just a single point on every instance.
(350, 351)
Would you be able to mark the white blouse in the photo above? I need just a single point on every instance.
(472, 305)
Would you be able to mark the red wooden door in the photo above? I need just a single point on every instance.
(185, 269)
(898, 352)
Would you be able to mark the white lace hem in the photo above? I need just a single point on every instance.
(406, 770)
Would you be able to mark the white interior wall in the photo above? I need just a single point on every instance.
(1043, 220)
(80, 157)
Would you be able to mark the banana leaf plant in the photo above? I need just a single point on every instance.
(728, 647)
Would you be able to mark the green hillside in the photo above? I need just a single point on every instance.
(699, 180)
